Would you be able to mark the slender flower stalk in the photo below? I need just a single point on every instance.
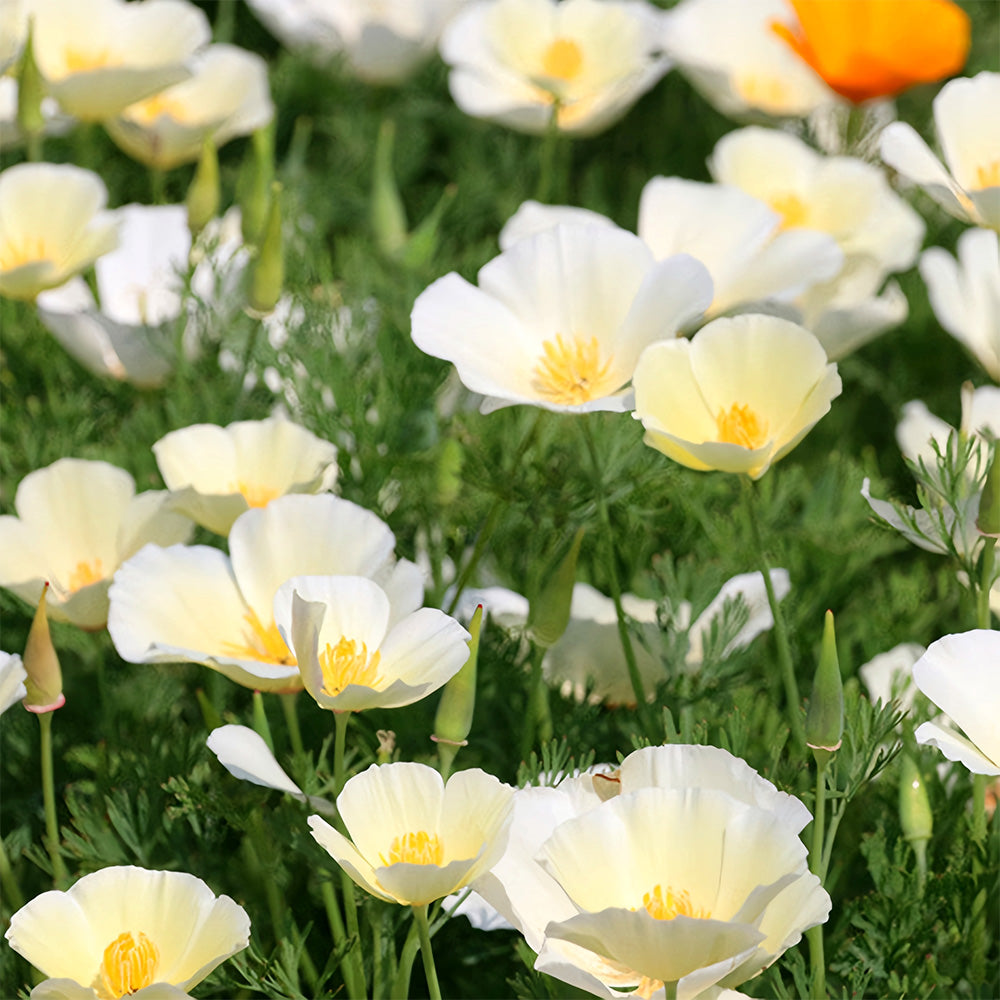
(423, 928)
(49, 797)
(816, 865)
(289, 707)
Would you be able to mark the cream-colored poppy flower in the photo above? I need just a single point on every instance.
(887, 676)
(76, 522)
(99, 56)
(968, 131)
(52, 226)
(226, 96)
(381, 42)
(965, 294)
(518, 62)
(12, 677)
(355, 652)
(126, 931)
(193, 603)
(959, 674)
(729, 51)
(216, 473)
(414, 838)
(738, 396)
(559, 318)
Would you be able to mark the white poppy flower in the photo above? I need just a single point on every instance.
(414, 838)
(355, 651)
(195, 604)
(13, 31)
(76, 522)
(519, 62)
(52, 226)
(888, 675)
(216, 473)
(383, 43)
(738, 396)
(968, 130)
(559, 319)
(12, 677)
(127, 931)
(730, 53)
(960, 674)
(965, 294)
(99, 56)
(226, 96)
(533, 217)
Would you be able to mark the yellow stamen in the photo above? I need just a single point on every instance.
(988, 176)
(146, 112)
(570, 374)
(665, 904)
(792, 209)
(85, 574)
(263, 643)
(345, 664)
(761, 90)
(26, 251)
(647, 987)
(83, 61)
(562, 59)
(255, 496)
(741, 426)
(129, 965)
(420, 848)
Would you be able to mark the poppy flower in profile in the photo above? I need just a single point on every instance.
(865, 49)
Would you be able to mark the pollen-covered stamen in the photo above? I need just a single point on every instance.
(418, 848)
(129, 965)
(28, 250)
(571, 373)
(84, 574)
(149, 110)
(647, 987)
(793, 210)
(665, 904)
(84, 60)
(255, 496)
(740, 425)
(347, 662)
(987, 175)
(762, 89)
(262, 642)
(562, 59)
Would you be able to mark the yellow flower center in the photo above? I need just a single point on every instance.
(344, 663)
(988, 176)
(263, 643)
(129, 965)
(146, 112)
(562, 59)
(255, 496)
(27, 251)
(762, 90)
(85, 574)
(571, 373)
(647, 987)
(420, 848)
(85, 60)
(665, 904)
(792, 209)
(741, 426)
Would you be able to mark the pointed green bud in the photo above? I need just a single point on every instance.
(548, 614)
(915, 815)
(267, 274)
(453, 721)
(44, 680)
(448, 481)
(253, 188)
(825, 718)
(260, 724)
(209, 712)
(988, 519)
(30, 87)
(203, 194)
(423, 241)
(387, 213)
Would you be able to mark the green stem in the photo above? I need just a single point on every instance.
(341, 721)
(8, 881)
(815, 934)
(339, 934)
(547, 157)
(423, 929)
(492, 516)
(642, 704)
(538, 718)
(780, 629)
(978, 831)
(33, 145)
(401, 982)
(983, 615)
(49, 797)
(289, 707)
(158, 185)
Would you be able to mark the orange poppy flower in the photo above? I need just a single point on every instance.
(877, 48)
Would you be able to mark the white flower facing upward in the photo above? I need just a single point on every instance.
(968, 131)
(226, 96)
(12, 677)
(195, 604)
(961, 675)
(730, 53)
(216, 473)
(354, 652)
(76, 522)
(888, 676)
(99, 56)
(519, 62)
(382, 43)
(52, 226)
(965, 294)
(559, 319)
(127, 931)
(414, 838)
(737, 397)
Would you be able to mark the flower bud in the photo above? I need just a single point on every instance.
(825, 718)
(30, 89)
(423, 241)
(387, 212)
(203, 194)
(260, 723)
(253, 188)
(548, 615)
(453, 721)
(44, 681)
(915, 815)
(988, 519)
(268, 271)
